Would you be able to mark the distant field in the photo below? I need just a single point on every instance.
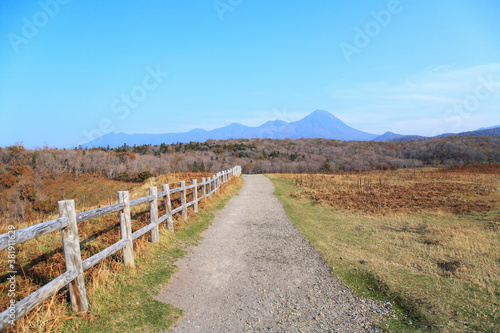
(457, 190)
(426, 240)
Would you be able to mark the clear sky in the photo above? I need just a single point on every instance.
(72, 70)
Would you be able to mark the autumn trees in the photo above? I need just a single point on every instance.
(24, 171)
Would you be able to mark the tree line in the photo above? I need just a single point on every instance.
(136, 163)
(24, 171)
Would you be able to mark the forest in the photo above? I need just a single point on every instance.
(24, 173)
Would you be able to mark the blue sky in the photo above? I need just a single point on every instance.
(73, 70)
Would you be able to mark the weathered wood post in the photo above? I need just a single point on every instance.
(126, 228)
(210, 182)
(73, 257)
(183, 201)
(153, 214)
(168, 207)
(212, 185)
(203, 188)
(195, 195)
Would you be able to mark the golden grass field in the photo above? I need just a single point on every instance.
(42, 260)
(427, 240)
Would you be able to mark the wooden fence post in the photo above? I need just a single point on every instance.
(168, 207)
(73, 257)
(209, 188)
(153, 214)
(183, 201)
(203, 188)
(126, 228)
(195, 195)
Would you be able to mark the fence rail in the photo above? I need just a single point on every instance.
(67, 223)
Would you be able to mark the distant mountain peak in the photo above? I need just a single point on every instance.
(320, 112)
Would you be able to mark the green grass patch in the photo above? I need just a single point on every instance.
(125, 300)
(441, 272)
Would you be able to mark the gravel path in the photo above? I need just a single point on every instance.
(255, 272)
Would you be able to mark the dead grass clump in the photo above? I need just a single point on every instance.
(449, 266)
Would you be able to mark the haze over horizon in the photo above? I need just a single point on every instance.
(71, 71)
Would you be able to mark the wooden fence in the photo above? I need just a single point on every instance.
(68, 224)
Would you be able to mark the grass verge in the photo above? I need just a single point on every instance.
(124, 301)
(441, 272)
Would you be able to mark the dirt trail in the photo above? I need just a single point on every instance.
(254, 271)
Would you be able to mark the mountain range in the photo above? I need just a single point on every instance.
(319, 124)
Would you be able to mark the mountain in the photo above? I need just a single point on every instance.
(322, 124)
(487, 128)
(490, 131)
(319, 124)
(393, 137)
(388, 137)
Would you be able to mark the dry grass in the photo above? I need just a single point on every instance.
(461, 190)
(435, 255)
(42, 260)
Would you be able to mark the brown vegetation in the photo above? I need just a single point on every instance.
(456, 190)
(40, 261)
(27, 176)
